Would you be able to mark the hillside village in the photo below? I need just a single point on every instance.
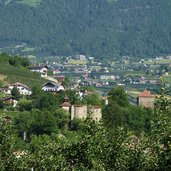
(76, 111)
(127, 71)
(45, 103)
(79, 73)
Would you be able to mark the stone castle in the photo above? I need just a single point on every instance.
(82, 111)
(146, 99)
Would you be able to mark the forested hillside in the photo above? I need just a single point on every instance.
(100, 28)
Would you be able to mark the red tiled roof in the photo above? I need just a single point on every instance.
(97, 107)
(146, 93)
(78, 105)
(20, 84)
(105, 97)
(66, 104)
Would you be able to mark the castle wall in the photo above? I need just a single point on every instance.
(147, 102)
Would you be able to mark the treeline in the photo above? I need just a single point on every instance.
(16, 61)
(104, 29)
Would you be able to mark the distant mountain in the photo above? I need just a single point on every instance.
(100, 28)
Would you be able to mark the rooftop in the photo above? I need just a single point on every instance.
(146, 93)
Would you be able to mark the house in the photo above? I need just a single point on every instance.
(105, 98)
(43, 70)
(59, 78)
(146, 99)
(56, 71)
(23, 89)
(150, 81)
(9, 101)
(107, 77)
(7, 119)
(5, 90)
(52, 87)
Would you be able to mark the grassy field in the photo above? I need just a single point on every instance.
(77, 62)
(134, 93)
(134, 73)
(32, 3)
(164, 61)
(167, 78)
(31, 57)
(27, 49)
(10, 74)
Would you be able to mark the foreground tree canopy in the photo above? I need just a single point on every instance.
(94, 146)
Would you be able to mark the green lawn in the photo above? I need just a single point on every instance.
(28, 49)
(32, 3)
(134, 93)
(166, 78)
(13, 74)
(164, 61)
(133, 73)
(75, 62)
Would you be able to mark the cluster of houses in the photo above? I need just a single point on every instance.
(25, 90)
(145, 99)
(75, 111)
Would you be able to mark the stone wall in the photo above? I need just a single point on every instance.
(147, 102)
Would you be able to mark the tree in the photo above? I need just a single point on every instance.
(62, 118)
(36, 122)
(67, 81)
(36, 91)
(46, 101)
(6, 145)
(93, 99)
(161, 131)
(15, 93)
(43, 123)
(1, 105)
(118, 96)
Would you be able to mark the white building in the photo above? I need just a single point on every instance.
(107, 77)
(23, 89)
(43, 70)
(52, 87)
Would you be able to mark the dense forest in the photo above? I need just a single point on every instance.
(100, 28)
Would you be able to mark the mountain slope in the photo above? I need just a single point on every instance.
(10, 74)
(101, 28)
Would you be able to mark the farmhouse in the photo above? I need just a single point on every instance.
(40, 69)
(23, 89)
(59, 78)
(52, 87)
(9, 101)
